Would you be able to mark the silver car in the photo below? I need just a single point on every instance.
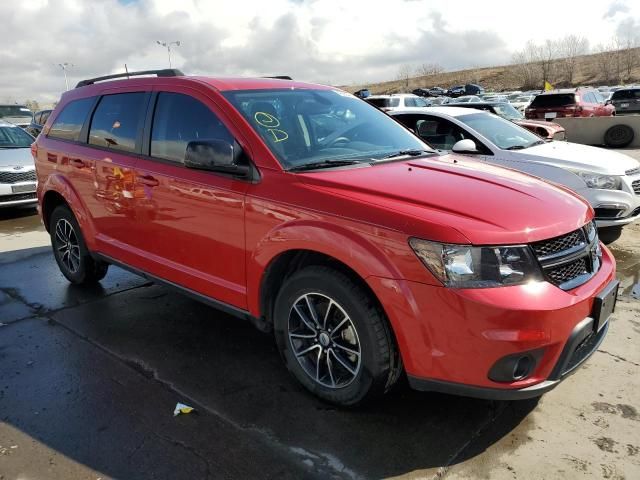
(17, 114)
(17, 170)
(609, 180)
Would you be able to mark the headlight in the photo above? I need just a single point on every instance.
(463, 266)
(605, 182)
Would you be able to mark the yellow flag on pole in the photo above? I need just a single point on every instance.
(547, 86)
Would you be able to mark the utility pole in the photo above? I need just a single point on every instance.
(64, 67)
(168, 45)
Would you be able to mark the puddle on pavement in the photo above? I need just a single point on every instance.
(628, 268)
(18, 221)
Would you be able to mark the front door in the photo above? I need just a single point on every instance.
(193, 220)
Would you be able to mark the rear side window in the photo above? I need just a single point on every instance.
(384, 102)
(180, 119)
(556, 100)
(44, 117)
(117, 120)
(68, 123)
(625, 94)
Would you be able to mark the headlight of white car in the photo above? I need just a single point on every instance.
(464, 266)
(605, 182)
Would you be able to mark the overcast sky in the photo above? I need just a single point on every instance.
(328, 41)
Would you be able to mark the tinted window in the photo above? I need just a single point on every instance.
(625, 94)
(44, 117)
(555, 100)
(179, 119)
(384, 102)
(117, 120)
(69, 122)
(14, 111)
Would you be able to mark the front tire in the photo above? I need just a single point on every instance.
(609, 234)
(70, 250)
(334, 338)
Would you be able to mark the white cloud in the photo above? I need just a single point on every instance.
(329, 41)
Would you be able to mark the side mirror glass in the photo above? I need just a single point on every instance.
(465, 146)
(215, 156)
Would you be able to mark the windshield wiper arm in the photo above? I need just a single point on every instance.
(322, 164)
(516, 147)
(409, 153)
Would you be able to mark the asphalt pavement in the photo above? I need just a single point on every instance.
(89, 379)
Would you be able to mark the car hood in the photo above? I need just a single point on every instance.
(26, 120)
(452, 199)
(575, 156)
(15, 157)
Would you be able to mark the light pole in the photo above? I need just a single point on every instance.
(168, 45)
(64, 67)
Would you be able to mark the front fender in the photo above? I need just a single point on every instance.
(59, 184)
(359, 250)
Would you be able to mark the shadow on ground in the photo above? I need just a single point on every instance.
(108, 364)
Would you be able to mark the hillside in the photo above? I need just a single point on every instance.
(588, 71)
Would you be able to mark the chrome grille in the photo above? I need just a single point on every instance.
(559, 244)
(17, 197)
(570, 260)
(15, 177)
(636, 187)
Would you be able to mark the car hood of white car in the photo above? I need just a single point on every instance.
(15, 157)
(574, 156)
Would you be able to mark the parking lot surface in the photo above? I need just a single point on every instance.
(89, 379)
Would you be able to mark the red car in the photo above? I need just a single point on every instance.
(570, 102)
(311, 213)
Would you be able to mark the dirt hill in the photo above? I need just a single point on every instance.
(589, 71)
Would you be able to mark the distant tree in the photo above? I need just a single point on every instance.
(427, 69)
(525, 70)
(627, 43)
(32, 105)
(570, 48)
(604, 62)
(404, 74)
(545, 55)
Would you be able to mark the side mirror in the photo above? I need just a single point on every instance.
(464, 146)
(215, 156)
(608, 102)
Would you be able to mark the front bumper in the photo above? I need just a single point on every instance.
(614, 207)
(450, 339)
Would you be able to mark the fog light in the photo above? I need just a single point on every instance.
(522, 368)
(515, 367)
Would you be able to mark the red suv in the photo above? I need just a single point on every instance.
(320, 218)
(572, 102)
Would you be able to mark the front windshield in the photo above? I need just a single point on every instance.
(503, 133)
(14, 137)
(14, 111)
(307, 126)
(508, 111)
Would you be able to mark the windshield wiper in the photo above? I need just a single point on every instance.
(322, 164)
(404, 153)
(516, 147)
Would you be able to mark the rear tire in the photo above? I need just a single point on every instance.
(609, 234)
(334, 338)
(70, 250)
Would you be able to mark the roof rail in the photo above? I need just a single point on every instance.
(280, 77)
(167, 72)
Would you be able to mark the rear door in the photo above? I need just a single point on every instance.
(115, 140)
(194, 221)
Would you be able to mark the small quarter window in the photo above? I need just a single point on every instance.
(69, 122)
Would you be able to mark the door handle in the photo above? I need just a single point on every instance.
(76, 162)
(52, 157)
(149, 181)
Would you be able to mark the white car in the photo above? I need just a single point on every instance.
(522, 102)
(609, 180)
(397, 101)
(16, 114)
(17, 170)
(466, 99)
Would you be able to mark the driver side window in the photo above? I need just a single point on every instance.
(440, 133)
